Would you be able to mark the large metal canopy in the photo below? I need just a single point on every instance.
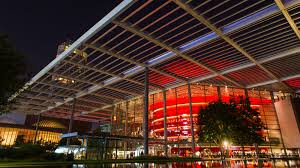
(238, 43)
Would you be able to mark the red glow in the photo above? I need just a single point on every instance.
(294, 82)
(178, 116)
(185, 68)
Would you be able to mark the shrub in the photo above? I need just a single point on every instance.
(53, 156)
(30, 151)
(70, 157)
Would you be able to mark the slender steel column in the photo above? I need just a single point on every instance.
(246, 94)
(72, 116)
(86, 148)
(116, 149)
(105, 148)
(37, 128)
(71, 120)
(146, 102)
(219, 93)
(177, 121)
(126, 129)
(125, 149)
(191, 118)
(112, 119)
(165, 123)
(277, 120)
(126, 119)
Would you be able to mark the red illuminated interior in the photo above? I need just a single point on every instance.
(178, 115)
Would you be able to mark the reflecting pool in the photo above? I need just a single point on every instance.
(200, 164)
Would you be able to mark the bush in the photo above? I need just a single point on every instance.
(53, 156)
(7, 152)
(70, 157)
(30, 151)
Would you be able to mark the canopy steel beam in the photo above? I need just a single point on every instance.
(95, 87)
(288, 17)
(219, 32)
(87, 92)
(60, 87)
(107, 73)
(78, 90)
(55, 100)
(106, 51)
(140, 33)
(274, 81)
(272, 58)
(94, 83)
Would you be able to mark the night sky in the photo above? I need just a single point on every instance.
(37, 27)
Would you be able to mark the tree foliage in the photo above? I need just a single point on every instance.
(12, 71)
(73, 141)
(236, 122)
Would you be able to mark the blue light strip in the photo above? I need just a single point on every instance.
(133, 70)
(198, 41)
(250, 19)
(161, 58)
(110, 80)
(203, 39)
(227, 29)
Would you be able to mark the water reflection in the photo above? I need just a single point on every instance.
(201, 164)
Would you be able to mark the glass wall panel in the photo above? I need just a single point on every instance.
(9, 135)
(178, 116)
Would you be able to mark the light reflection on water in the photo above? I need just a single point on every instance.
(202, 164)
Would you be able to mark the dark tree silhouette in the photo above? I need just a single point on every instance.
(73, 141)
(238, 123)
(12, 72)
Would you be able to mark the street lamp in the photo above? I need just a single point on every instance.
(226, 147)
(225, 143)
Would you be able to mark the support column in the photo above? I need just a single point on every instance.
(116, 150)
(277, 120)
(125, 149)
(37, 128)
(246, 94)
(126, 129)
(219, 93)
(112, 119)
(191, 118)
(165, 123)
(86, 148)
(71, 120)
(126, 119)
(146, 102)
(105, 148)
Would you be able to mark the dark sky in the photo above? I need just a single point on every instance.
(37, 27)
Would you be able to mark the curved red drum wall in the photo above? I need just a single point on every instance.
(178, 114)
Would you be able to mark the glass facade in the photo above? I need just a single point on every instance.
(9, 135)
(127, 117)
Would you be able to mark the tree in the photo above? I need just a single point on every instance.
(73, 141)
(235, 122)
(248, 126)
(12, 72)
